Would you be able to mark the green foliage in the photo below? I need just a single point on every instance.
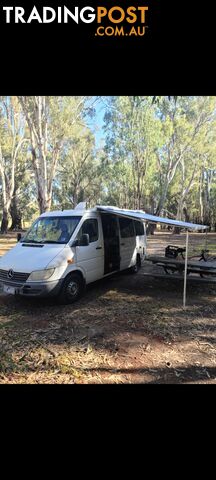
(78, 174)
(133, 133)
(168, 146)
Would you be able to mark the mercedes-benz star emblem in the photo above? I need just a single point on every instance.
(10, 273)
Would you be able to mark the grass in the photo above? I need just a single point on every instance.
(126, 329)
(7, 242)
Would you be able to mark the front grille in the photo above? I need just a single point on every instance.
(17, 276)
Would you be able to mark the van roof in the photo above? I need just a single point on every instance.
(80, 209)
(67, 213)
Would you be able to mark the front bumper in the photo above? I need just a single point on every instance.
(33, 289)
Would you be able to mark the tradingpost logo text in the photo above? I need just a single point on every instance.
(114, 21)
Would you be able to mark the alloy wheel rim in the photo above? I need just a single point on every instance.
(72, 289)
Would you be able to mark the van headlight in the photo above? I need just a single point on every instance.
(41, 275)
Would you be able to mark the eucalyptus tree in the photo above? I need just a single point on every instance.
(184, 123)
(78, 174)
(133, 133)
(51, 121)
(12, 139)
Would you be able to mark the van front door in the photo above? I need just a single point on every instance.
(127, 243)
(91, 257)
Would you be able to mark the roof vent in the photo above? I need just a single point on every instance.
(81, 206)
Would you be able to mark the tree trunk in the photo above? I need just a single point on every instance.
(44, 199)
(5, 221)
(162, 199)
(75, 197)
(15, 215)
(44, 203)
(185, 212)
(151, 228)
(177, 230)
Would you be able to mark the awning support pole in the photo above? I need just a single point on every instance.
(185, 272)
(144, 225)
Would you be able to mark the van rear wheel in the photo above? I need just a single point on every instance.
(136, 267)
(72, 289)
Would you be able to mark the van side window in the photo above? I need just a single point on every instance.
(126, 227)
(139, 228)
(90, 226)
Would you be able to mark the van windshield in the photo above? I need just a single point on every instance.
(52, 230)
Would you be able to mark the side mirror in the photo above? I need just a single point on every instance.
(75, 243)
(19, 236)
(84, 240)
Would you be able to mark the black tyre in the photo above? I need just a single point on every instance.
(72, 288)
(136, 267)
(173, 271)
(169, 271)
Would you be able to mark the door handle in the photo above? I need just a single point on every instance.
(98, 248)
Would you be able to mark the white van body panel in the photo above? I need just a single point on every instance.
(88, 260)
(128, 252)
(141, 245)
(27, 259)
(130, 248)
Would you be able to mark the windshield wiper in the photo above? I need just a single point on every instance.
(42, 242)
(50, 241)
(29, 241)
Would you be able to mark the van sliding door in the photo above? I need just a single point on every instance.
(111, 243)
(127, 243)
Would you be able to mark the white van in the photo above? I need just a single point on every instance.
(65, 250)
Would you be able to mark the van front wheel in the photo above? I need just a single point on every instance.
(72, 289)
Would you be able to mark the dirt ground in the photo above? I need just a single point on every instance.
(125, 329)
